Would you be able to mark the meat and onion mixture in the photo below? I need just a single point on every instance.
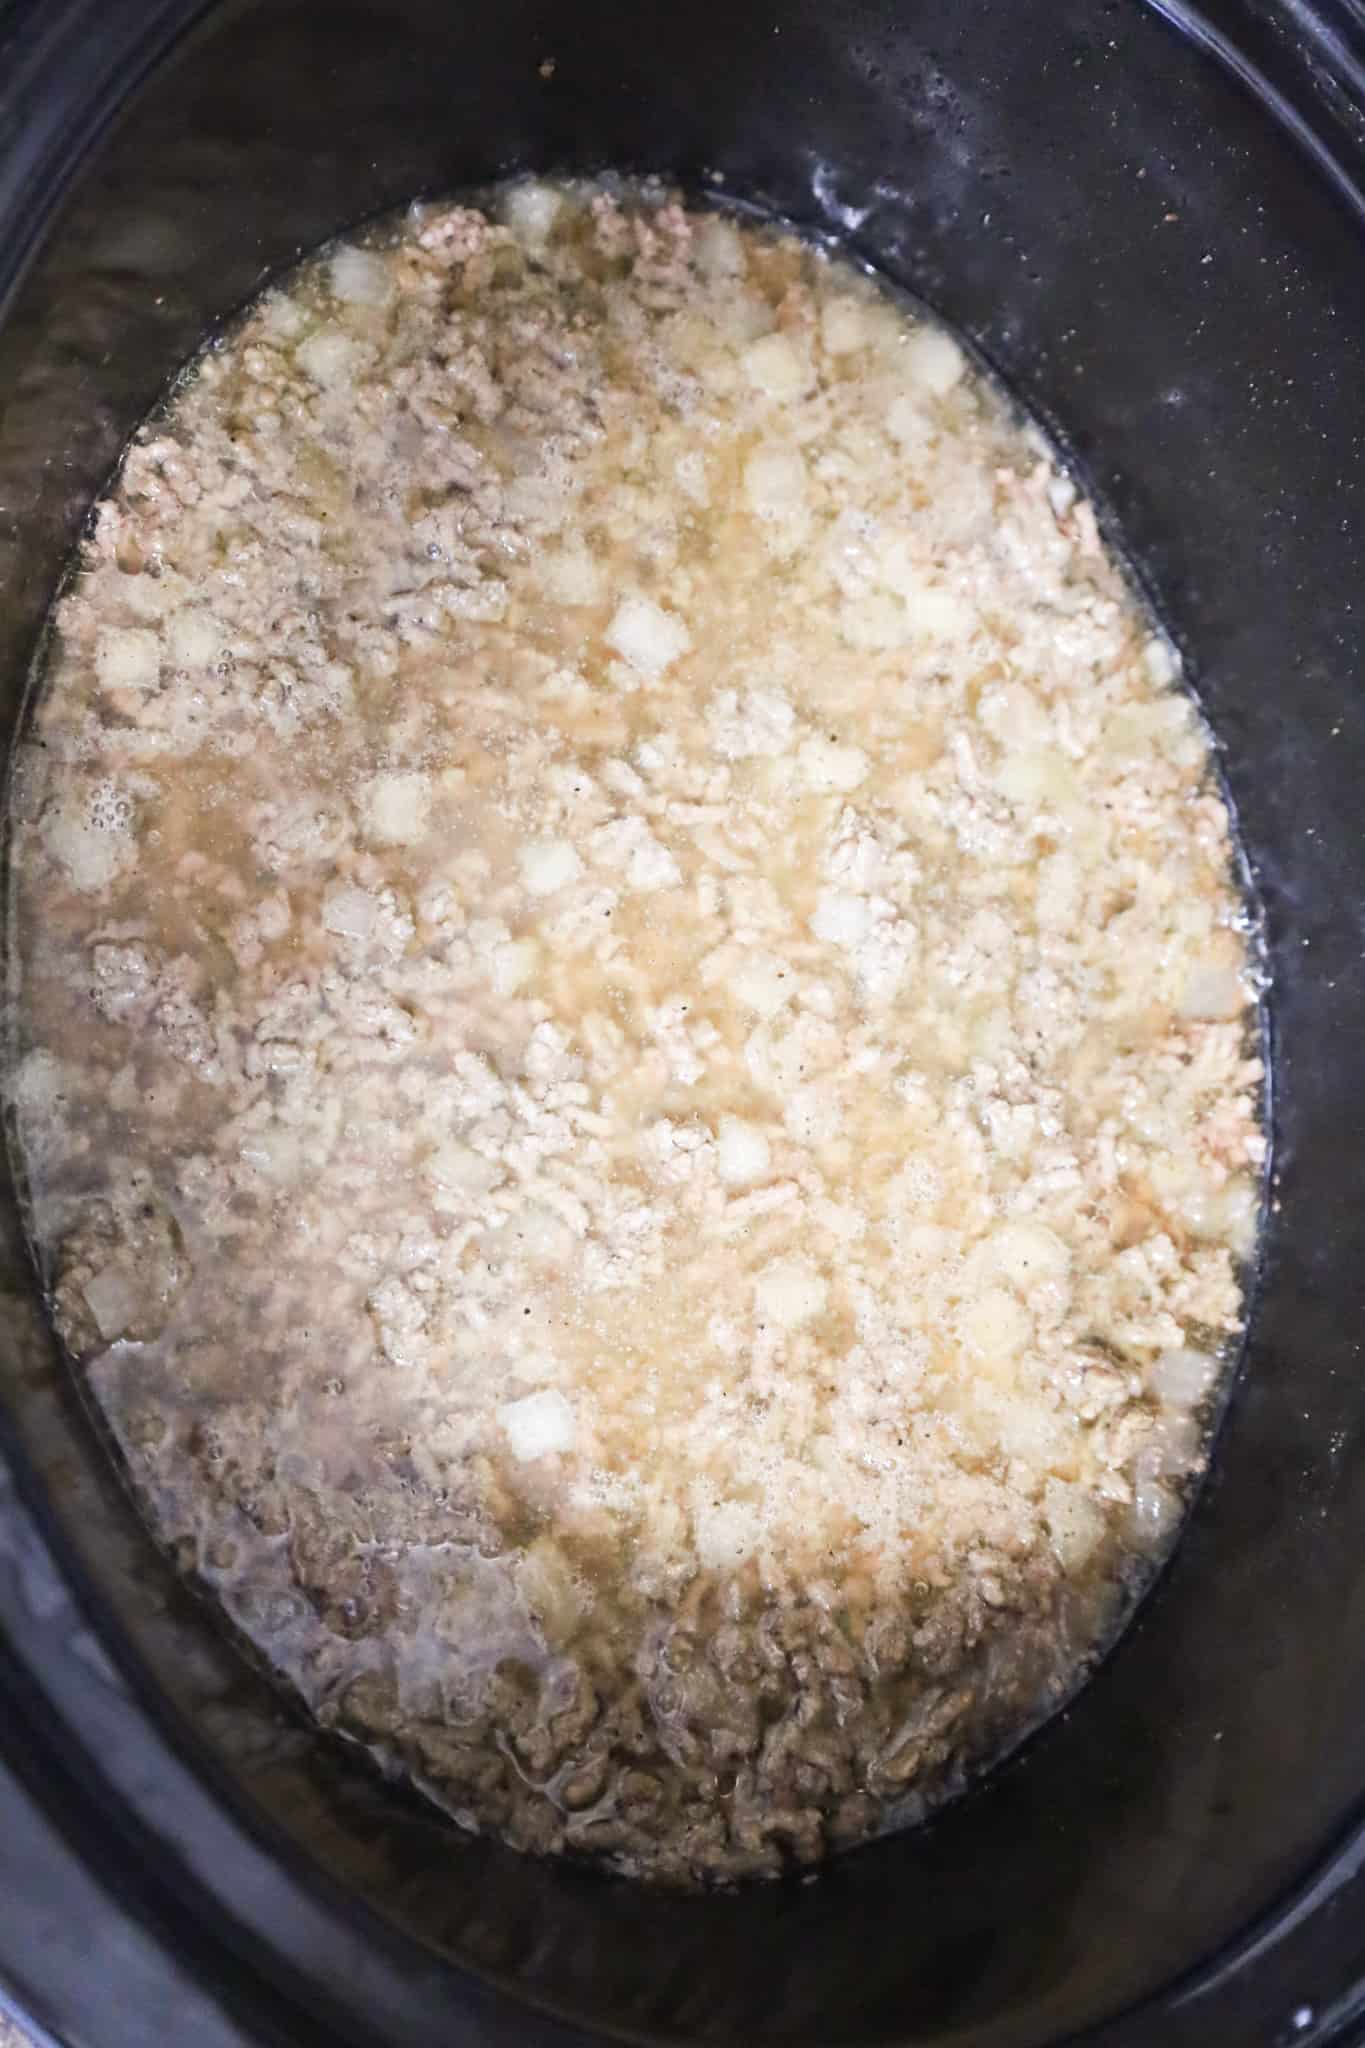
(634, 1029)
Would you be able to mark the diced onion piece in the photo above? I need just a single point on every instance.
(650, 638)
(742, 1152)
(538, 1426)
(934, 360)
(360, 276)
(1075, 1523)
(112, 1299)
(789, 1292)
(1181, 1379)
(549, 865)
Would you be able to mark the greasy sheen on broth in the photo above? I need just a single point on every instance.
(632, 1029)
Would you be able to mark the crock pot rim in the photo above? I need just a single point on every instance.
(66, 68)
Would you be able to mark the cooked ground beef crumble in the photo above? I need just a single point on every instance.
(633, 1032)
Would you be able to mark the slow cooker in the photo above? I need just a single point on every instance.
(1149, 218)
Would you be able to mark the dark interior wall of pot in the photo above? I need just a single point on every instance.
(1158, 272)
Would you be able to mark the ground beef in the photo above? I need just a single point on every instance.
(633, 1029)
